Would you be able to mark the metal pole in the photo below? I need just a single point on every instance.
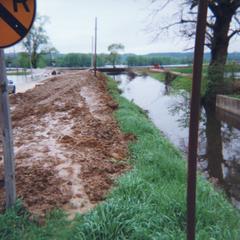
(194, 118)
(95, 50)
(7, 139)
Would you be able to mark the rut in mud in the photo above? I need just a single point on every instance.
(68, 146)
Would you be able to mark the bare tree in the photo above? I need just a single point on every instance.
(222, 25)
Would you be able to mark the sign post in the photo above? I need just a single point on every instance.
(16, 19)
(7, 140)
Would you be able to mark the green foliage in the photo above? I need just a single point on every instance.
(76, 60)
(79, 60)
(182, 70)
(158, 76)
(114, 52)
(115, 47)
(189, 70)
(221, 79)
(181, 82)
(149, 202)
(15, 224)
(23, 72)
(157, 58)
(235, 96)
(36, 40)
(84, 60)
(23, 60)
(41, 62)
(231, 69)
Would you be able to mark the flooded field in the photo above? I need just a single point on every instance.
(28, 81)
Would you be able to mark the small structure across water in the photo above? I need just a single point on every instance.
(228, 104)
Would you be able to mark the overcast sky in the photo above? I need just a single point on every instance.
(119, 21)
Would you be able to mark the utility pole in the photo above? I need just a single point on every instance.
(7, 139)
(95, 50)
(92, 51)
(194, 118)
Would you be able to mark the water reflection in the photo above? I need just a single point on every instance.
(214, 148)
(219, 134)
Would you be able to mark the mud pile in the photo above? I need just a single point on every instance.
(69, 148)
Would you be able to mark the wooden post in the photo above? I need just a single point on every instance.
(194, 118)
(7, 139)
(92, 51)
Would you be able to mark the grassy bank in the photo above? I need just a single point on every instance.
(235, 96)
(146, 203)
(180, 82)
(188, 70)
(19, 73)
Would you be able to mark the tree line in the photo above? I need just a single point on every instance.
(85, 60)
(22, 60)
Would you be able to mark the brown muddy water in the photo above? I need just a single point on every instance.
(219, 134)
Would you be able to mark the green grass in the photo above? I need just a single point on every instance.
(185, 83)
(232, 67)
(187, 70)
(180, 82)
(235, 96)
(147, 203)
(158, 76)
(19, 73)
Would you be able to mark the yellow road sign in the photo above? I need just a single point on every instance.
(16, 19)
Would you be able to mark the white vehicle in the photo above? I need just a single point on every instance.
(11, 87)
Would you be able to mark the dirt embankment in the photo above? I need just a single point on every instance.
(68, 147)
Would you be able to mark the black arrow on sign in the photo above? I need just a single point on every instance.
(12, 21)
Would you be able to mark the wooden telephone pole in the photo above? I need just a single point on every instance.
(194, 118)
(7, 139)
(95, 50)
(92, 52)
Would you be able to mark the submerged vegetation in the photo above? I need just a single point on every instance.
(148, 202)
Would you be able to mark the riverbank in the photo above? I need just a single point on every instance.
(180, 82)
(147, 203)
(21, 73)
(183, 79)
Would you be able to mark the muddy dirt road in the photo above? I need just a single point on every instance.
(68, 146)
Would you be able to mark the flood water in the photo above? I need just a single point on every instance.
(25, 82)
(219, 134)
